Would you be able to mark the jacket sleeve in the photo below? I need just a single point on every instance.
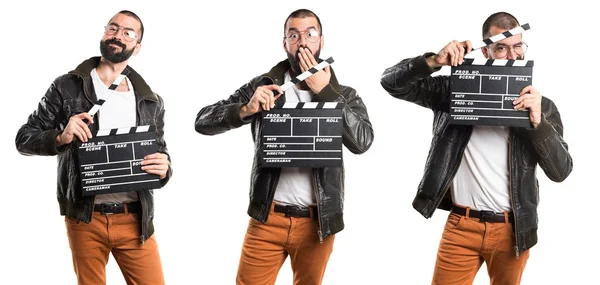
(357, 133)
(38, 135)
(160, 138)
(410, 80)
(547, 140)
(224, 115)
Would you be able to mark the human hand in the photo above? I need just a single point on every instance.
(262, 99)
(76, 127)
(530, 98)
(156, 163)
(452, 54)
(316, 82)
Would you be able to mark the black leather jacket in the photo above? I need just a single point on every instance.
(410, 80)
(328, 181)
(70, 94)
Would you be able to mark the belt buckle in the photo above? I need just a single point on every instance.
(111, 207)
(487, 216)
(292, 211)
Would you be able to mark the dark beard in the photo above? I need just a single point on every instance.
(295, 61)
(115, 57)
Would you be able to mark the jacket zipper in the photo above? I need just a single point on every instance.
(143, 198)
(510, 190)
(275, 176)
(141, 195)
(272, 195)
(314, 181)
(97, 123)
(457, 165)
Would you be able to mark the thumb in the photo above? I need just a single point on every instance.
(326, 69)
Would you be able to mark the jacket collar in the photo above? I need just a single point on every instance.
(277, 73)
(139, 84)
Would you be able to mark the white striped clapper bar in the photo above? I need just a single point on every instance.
(486, 42)
(128, 130)
(302, 134)
(305, 74)
(110, 161)
(112, 89)
(497, 62)
(313, 105)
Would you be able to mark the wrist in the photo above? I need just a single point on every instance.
(318, 89)
(244, 111)
(431, 61)
(58, 141)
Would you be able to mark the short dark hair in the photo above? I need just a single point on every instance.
(302, 13)
(135, 16)
(501, 20)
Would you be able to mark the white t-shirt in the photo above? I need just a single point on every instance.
(119, 111)
(481, 181)
(295, 184)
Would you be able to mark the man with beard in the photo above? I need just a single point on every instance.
(294, 211)
(120, 223)
(485, 176)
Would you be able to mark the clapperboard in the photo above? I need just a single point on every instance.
(110, 161)
(483, 90)
(302, 134)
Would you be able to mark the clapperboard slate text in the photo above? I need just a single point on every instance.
(111, 160)
(302, 134)
(483, 92)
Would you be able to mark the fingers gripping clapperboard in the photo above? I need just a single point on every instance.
(302, 134)
(110, 161)
(483, 91)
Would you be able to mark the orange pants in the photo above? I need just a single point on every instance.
(467, 242)
(117, 233)
(266, 246)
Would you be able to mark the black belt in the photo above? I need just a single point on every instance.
(296, 211)
(118, 208)
(484, 216)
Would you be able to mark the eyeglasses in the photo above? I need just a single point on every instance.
(128, 33)
(502, 50)
(311, 35)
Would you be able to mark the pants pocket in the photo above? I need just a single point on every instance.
(454, 220)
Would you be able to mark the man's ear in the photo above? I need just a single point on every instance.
(137, 48)
(322, 42)
(485, 52)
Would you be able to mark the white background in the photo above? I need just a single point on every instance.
(195, 56)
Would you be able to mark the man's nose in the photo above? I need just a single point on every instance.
(119, 35)
(511, 54)
(303, 41)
